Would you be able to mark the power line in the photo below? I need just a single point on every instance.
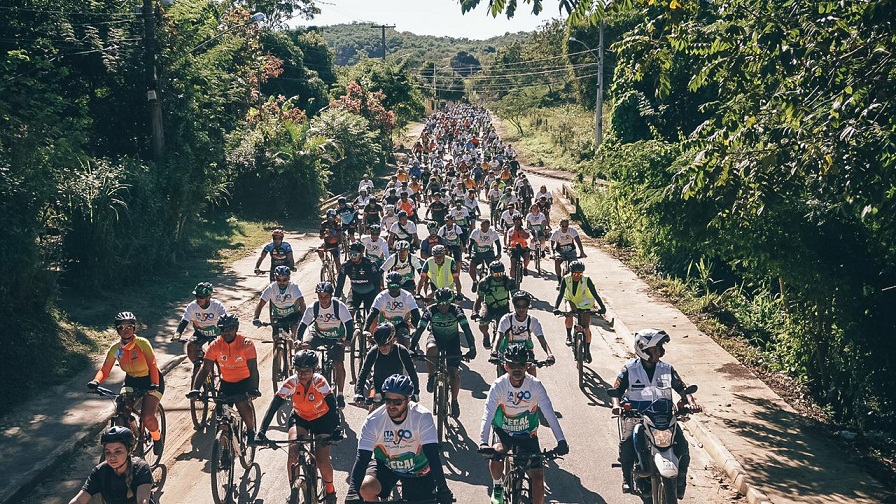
(73, 13)
(507, 87)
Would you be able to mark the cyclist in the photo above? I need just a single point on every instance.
(506, 220)
(389, 218)
(492, 300)
(512, 409)
(401, 438)
(407, 205)
(287, 302)
(314, 413)
(348, 215)
(493, 197)
(452, 234)
(387, 358)
(657, 380)
(544, 194)
(462, 218)
(445, 320)
(519, 327)
(235, 356)
(516, 241)
(537, 224)
(360, 202)
(405, 264)
(439, 272)
(391, 197)
(484, 247)
(331, 325)
(203, 315)
(281, 253)
(563, 244)
(431, 240)
(136, 358)
(471, 202)
(121, 477)
(365, 183)
(364, 277)
(331, 232)
(373, 212)
(397, 306)
(578, 291)
(437, 209)
(404, 230)
(375, 247)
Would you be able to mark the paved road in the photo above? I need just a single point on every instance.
(584, 476)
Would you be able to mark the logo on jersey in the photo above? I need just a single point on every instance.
(223, 358)
(205, 317)
(394, 305)
(284, 297)
(396, 437)
(517, 398)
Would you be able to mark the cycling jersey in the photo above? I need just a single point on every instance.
(232, 358)
(438, 211)
(407, 205)
(452, 234)
(444, 326)
(397, 361)
(310, 403)
(406, 231)
(536, 222)
(388, 221)
(365, 184)
(283, 301)
(329, 321)
(205, 320)
(330, 230)
(461, 216)
(113, 487)
(279, 253)
(406, 269)
(346, 215)
(430, 242)
(515, 409)
(518, 237)
(136, 359)
(364, 276)
(520, 331)
(495, 292)
(400, 446)
(484, 241)
(395, 309)
(565, 240)
(377, 251)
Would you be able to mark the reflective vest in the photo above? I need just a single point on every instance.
(580, 297)
(643, 392)
(440, 276)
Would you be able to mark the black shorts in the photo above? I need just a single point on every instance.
(287, 322)
(479, 257)
(567, 255)
(200, 339)
(412, 488)
(142, 383)
(357, 300)
(451, 348)
(333, 248)
(523, 445)
(488, 314)
(324, 425)
(334, 349)
(234, 388)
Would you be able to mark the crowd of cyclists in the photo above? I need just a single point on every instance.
(391, 289)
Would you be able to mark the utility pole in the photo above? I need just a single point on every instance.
(435, 100)
(383, 28)
(152, 81)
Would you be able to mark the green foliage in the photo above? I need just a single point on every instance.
(393, 87)
(356, 148)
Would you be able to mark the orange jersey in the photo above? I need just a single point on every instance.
(402, 176)
(309, 404)
(136, 359)
(233, 359)
(407, 206)
(520, 236)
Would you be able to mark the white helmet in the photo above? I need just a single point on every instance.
(647, 338)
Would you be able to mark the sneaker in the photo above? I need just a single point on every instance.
(486, 343)
(330, 498)
(158, 446)
(340, 401)
(250, 437)
(569, 341)
(431, 383)
(475, 286)
(498, 495)
(626, 488)
(682, 486)
(587, 355)
(455, 409)
(525, 272)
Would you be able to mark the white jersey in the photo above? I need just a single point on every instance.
(388, 221)
(327, 320)
(366, 184)
(377, 251)
(520, 332)
(400, 446)
(395, 309)
(460, 215)
(451, 234)
(410, 231)
(471, 203)
(283, 301)
(407, 269)
(507, 219)
(494, 195)
(566, 241)
(546, 195)
(361, 201)
(205, 320)
(537, 221)
(515, 410)
(484, 241)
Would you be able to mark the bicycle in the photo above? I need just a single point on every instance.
(578, 341)
(516, 482)
(328, 267)
(516, 265)
(126, 406)
(327, 370)
(440, 392)
(283, 351)
(497, 359)
(358, 349)
(305, 482)
(199, 407)
(226, 445)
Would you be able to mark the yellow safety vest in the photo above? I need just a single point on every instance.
(440, 276)
(580, 297)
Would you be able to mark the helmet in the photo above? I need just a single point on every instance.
(363, 190)
(282, 271)
(331, 214)
(496, 267)
(324, 287)
(372, 199)
(516, 353)
(444, 295)
(402, 214)
(356, 247)
(203, 289)
(647, 338)
(342, 200)
(517, 216)
(305, 359)
(522, 295)
(577, 267)
(383, 333)
(438, 250)
(374, 229)
(277, 233)
(402, 245)
(125, 317)
(389, 208)
(228, 321)
(118, 434)
(398, 384)
(393, 278)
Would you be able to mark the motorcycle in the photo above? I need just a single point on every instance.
(656, 469)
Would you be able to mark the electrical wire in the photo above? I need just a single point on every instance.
(73, 13)
(503, 87)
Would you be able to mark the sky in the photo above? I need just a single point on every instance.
(431, 17)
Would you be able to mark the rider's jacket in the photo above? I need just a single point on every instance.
(519, 332)
(307, 403)
(400, 446)
(515, 410)
(364, 275)
(441, 276)
(641, 387)
(232, 358)
(578, 293)
(283, 301)
(395, 309)
(279, 254)
(205, 320)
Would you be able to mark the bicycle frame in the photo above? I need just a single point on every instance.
(126, 406)
(516, 468)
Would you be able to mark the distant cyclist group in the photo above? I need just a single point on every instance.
(465, 185)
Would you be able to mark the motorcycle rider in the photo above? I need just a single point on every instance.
(653, 379)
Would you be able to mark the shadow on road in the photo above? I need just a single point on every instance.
(595, 389)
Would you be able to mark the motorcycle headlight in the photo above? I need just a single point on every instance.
(662, 438)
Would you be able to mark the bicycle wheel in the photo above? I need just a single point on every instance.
(580, 356)
(147, 442)
(441, 399)
(277, 366)
(247, 452)
(199, 409)
(222, 469)
(538, 259)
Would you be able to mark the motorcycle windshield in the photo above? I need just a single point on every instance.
(660, 413)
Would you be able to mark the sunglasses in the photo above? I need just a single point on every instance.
(354, 254)
(395, 402)
(123, 327)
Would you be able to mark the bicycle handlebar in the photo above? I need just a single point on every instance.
(497, 456)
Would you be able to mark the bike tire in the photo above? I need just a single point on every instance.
(222, 470)
(580, 357)
(147, 442)
(247, 451)
(199, 411)
(538, 260)
(277, 366)
(668, 493)
(442, 399)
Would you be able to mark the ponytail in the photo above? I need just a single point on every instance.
(129, 477)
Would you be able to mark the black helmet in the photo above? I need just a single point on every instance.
(324, 287)
(522, 295)
(383, 333)
(496, 267)
(374, 229)
(398, 384)
(576, 267)
(118, 434)
(402, 214)
(203, 289)
(444, 295)
(305, 359)
(356, 247)
(229, 320)
(342, 200)
(125, 317)
(516, 353)
(393, 279)
(282, 271)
